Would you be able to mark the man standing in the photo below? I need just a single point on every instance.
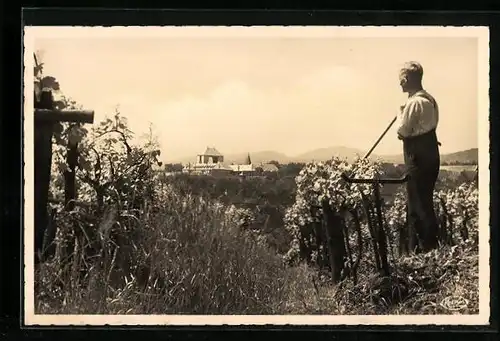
(418, 121)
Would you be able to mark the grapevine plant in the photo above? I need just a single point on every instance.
(322, 193)
(320, 183)
(116, 180)
(456, 210)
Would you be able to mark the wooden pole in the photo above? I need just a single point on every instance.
(43, 160)
(334, 234)
(380, 232)
(70, 176)
(51, 115)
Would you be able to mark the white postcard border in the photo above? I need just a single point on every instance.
(481, 33)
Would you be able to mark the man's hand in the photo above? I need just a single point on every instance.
(400, 137)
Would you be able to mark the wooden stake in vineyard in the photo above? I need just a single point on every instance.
(334, 233)
(334, 240)
(45, 118)
(376, 225)
(375, 217)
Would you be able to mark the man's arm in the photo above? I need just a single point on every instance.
(408, 119)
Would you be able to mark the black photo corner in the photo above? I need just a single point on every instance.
(11, 157)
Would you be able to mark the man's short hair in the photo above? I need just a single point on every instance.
(413, 70)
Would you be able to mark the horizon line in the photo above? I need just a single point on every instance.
(361, 152)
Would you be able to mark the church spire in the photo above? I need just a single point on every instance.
(249, 162)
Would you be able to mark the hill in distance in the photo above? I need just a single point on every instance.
(323, 154)
(464, 156)
(461, 157)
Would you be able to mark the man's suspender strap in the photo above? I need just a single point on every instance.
(431, 99)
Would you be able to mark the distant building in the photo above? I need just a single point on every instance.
(246, 169)
(242, 169)
(211, 162)
(210, 156)
(269, 167)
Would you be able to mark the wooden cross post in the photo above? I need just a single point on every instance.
(45, 116)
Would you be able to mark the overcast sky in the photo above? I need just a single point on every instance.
(288, 94)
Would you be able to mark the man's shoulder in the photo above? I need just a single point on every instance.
(422, 99)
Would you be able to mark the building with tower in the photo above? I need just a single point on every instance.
(212, 162)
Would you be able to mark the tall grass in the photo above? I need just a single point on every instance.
(181, 256)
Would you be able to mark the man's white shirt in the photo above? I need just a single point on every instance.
(419, 115)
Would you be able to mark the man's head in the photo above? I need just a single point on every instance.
(410, 76)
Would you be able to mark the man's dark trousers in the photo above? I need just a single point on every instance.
(421, 155)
